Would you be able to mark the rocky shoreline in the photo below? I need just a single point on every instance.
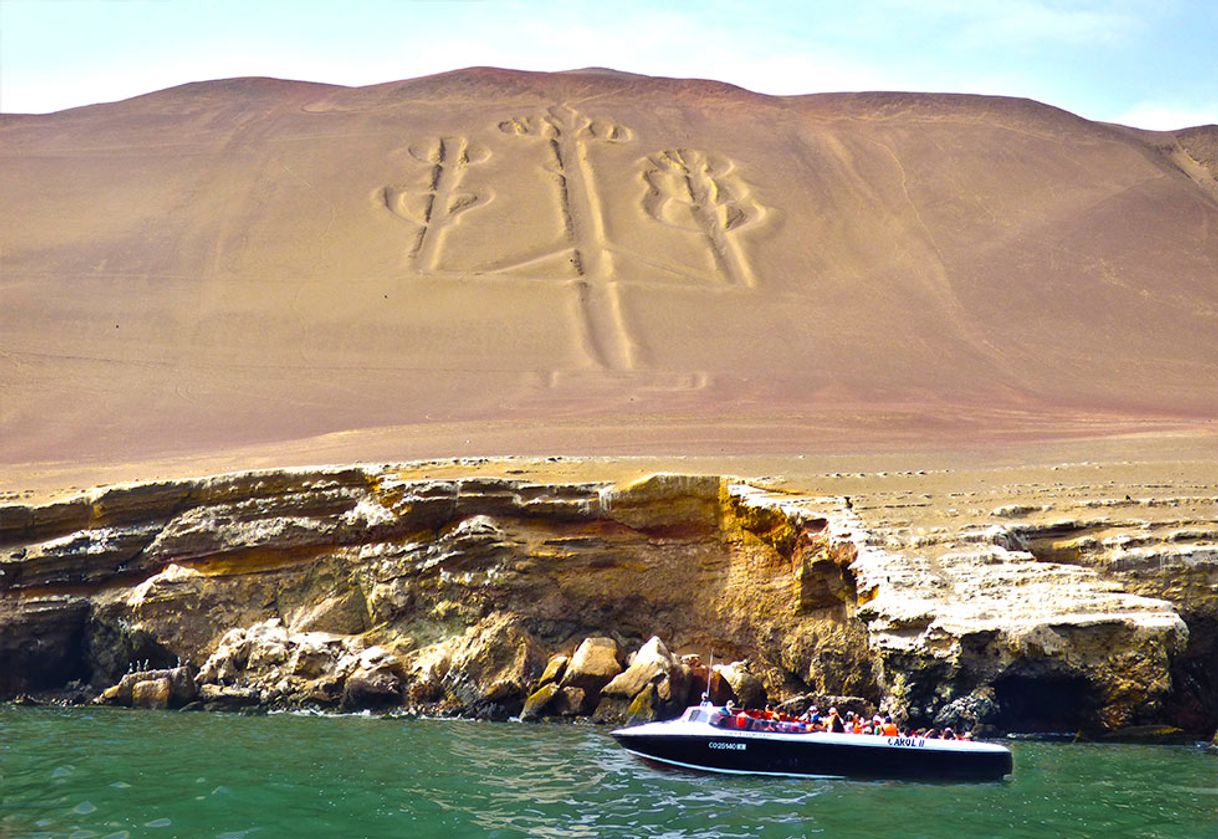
(357, 588)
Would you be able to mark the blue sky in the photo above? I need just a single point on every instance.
(1151, 63)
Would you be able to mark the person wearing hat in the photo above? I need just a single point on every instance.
(835, 722)
(810, 718)
(727, 717)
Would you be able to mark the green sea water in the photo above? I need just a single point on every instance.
(94, 773)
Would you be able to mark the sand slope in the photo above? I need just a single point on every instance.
(593, 261)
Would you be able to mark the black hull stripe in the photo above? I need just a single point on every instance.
(811, 759)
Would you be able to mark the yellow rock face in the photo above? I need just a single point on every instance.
(469, 591)
(555, 668)
(152, 693)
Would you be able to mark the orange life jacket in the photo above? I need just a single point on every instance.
(890, 729)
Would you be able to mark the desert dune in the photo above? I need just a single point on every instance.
(489, 261)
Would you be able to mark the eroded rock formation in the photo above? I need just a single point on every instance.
(355, 588)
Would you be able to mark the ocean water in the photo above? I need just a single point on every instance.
(112, 773)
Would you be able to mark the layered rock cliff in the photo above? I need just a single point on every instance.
(362, 587)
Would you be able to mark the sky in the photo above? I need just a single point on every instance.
(1149, 63)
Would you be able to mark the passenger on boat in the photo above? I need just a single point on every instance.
(835, 722)
(811, 720)
(890, 728)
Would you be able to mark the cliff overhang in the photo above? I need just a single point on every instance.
(358, 587)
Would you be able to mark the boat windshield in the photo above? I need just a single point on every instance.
(714, 716)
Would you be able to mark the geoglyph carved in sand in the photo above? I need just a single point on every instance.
(437, 207)
(700, 192)
(687, 190)
(567, 134)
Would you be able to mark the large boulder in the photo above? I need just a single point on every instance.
(151, 693)
(570, 702)
(675, 689)
(655, 686)
(699, 675)
(651, 663)
(645, 707)
(612, 709)
(539, 701)
(376, 681)
(718, 689)
(556, 667)
(170, 688)
(748, 689)
(592, 667)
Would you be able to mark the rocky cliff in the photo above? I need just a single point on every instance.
(365, 587)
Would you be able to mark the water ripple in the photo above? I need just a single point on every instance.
(118, 774)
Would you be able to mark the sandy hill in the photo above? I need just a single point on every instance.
(593, 261)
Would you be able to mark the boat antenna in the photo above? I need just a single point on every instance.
(709, 670)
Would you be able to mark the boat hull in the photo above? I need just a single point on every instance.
(820, 756)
